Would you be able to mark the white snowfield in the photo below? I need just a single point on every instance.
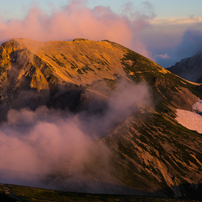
(191, 120)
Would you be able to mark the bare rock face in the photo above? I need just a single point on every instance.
(189, 68)
(153, 154)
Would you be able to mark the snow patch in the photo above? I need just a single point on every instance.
(190, 120)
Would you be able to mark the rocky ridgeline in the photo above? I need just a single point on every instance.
(153, 154)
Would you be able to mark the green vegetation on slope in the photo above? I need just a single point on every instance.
(154, 152)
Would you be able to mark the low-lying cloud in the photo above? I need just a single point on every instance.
(53, 149)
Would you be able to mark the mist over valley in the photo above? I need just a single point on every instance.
(96, 117)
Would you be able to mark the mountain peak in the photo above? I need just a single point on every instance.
(153, 152)
(189, 68)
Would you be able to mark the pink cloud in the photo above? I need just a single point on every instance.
(54, 149)
(164, 56)
(77, 20)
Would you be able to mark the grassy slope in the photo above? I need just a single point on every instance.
(154, 151)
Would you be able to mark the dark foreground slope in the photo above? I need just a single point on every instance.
(152, 153)
(14, 193)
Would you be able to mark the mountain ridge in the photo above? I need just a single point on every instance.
(189, 68)
(153, 153)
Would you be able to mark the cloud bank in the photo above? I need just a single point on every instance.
(177, 20)
(76, 20)
(171, 39)
(190, 44)
(52, 149)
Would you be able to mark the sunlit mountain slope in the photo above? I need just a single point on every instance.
(151, 152)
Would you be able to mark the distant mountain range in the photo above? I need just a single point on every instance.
(152, 153)
(189, 68)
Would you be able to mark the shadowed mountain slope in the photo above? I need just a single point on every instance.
(189, 68)
(13, 193)
(152, 153)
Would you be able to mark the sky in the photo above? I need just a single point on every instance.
(164, 31)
